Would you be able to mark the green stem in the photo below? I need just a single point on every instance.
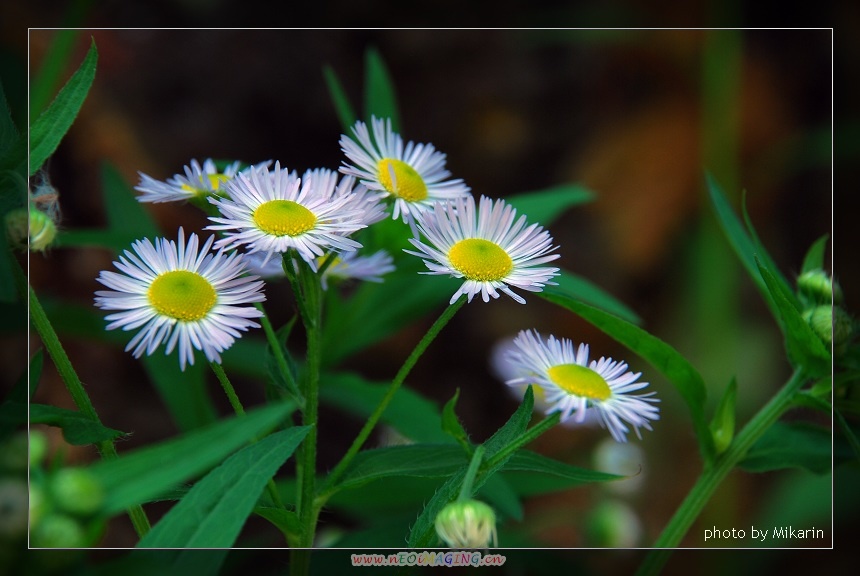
(359, 441)
(711, 478)
(228, 388)
(73, 383)
(312, 320)
(471, 473)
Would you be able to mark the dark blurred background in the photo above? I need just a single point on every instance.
(635, 115)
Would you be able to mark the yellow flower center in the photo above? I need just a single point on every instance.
(284, 218)
(182, 295)
(407, 183)
(580, 381)
(479, 259)
(215, 181)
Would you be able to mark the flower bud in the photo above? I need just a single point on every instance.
(832, 324)
(613, 524)
(467, 524)
(819, 288)
(31, 228)
(76, 491)
(58, 531)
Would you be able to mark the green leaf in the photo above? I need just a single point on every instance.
(380, 97)
(50, 128)
(55, 61)
(803, 346)
(545, 206)
(848, 433)
(148, 472)
(423, 532)
(583, 290)
(288, 383)
(410, 414)
(284, 520)
(793, 445)
(412, 460)
(214, 511)
(743, 245)
(344, 110)
(78, 429)
(660, 355)
(814, 259)
(451, 425)
(532, 462)
(723, 422)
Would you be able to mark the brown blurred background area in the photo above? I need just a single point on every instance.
(635, 115)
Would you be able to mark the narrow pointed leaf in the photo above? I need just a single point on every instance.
(78, 429)
(804, 347)
(583, 290)
(380, 98)
(50, 128)
(214, 511)
(147, 473)
(814, 259)
(344, 110)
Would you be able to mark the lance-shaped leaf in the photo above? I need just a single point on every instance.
(213, 513)
(50, 128)
(149, 472)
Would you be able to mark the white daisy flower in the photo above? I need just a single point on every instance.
(574, 386)
(347, 266)
(412, 176)
(505, 370)
(178, 294)
(274, 211)
(325, 183)
(488, 248)
(198, 182)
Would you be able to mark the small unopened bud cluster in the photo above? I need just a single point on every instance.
(822, 299)
(467, 524)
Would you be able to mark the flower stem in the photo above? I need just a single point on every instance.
(73, 383)
(308, 283)
(469, 479)
(228, 388)
(359, 441)
(711, 477)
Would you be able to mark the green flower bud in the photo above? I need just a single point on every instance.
(817, 287)
(31, 228)
(467, 524)
(76, 491)
(58, 531)
(832, 324)
(613, 524)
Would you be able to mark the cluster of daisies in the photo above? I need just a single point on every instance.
(200, 295)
